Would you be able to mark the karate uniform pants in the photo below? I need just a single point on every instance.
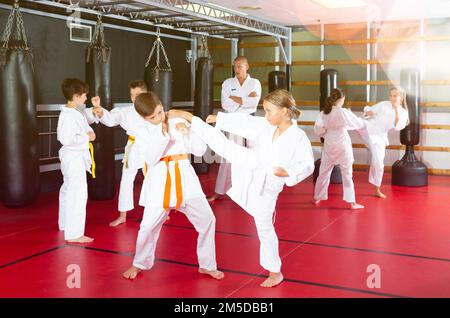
(73, 197)
(198, 212)
(263, 205)
(126, 191)
(323, 181)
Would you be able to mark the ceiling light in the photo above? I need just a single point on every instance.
(249, 8)
(333, 4)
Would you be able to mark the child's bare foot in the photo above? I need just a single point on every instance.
(214, 197)
(315, 202)
(273, 280)
(214, 274)
(121, 219)
(379, 194)
(356, 206)
(131, 273)
(82, 239)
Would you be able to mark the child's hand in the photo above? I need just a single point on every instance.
(211, 119)
(280, 172)
(182, 128)
(98, 111)
(91, 135)
(95, 101)
(369, 114)
(252, 94)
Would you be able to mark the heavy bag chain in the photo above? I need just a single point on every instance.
(14, 20)
(98, 43)
(159, 46)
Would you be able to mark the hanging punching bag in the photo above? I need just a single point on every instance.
(98, 76)
(203, 100)
(409, 171)
(159, 80)
(277, 80)
(19, 161)
(328, 81)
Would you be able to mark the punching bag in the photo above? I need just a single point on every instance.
(277, 80)
(19, 161)
(98, 76)
(328, 81)
(159, 80)
(409, 171)
(203, 100)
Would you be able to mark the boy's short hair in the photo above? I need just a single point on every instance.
(146, 103)
(73, 86)
(139, 83)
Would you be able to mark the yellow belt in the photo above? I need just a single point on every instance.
(131, 139)
(91, 151)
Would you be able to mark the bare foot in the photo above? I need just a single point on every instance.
(379, 194)
(273, 280)
(121, 219)
(356, 206)
(315, 202)
(214, 274)
(131, 273)
(81, 239)
(214, 197)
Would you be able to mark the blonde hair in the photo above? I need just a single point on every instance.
(284, 99)
(402, 93)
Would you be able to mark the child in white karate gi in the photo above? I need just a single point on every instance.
(332, 124)
(75, 135)
(379, 120)
(171, 183)
(282, 155)
(130, 121)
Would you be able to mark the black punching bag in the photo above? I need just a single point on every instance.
(98, 76)
(19, 161)
(328, 81)
(159, 80)
(277, 80)
(409, 171)
(203, 100)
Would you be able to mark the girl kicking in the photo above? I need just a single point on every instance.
(379, 120)
(282, 155)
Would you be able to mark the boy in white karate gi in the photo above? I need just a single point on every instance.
(171, 183)
(75, 135)
(129, 120)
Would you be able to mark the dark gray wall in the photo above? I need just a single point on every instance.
(56, 57)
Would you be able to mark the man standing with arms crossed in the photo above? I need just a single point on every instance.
(240, 94)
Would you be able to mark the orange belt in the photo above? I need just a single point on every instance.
(178, 187)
